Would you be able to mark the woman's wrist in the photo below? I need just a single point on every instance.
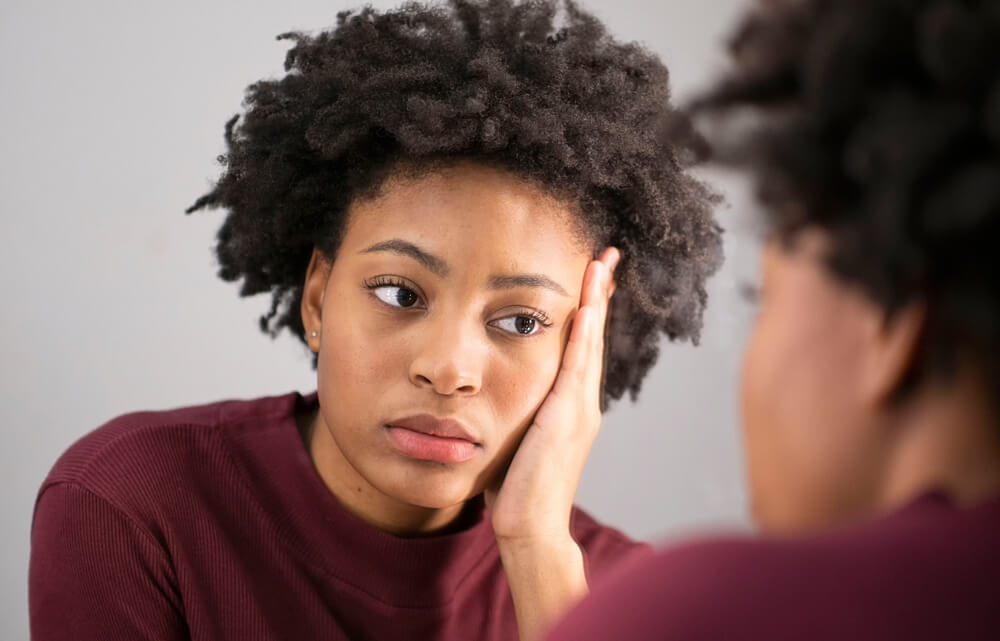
(546, 577)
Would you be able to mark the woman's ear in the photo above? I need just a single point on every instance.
(893, 350)
(312, 298)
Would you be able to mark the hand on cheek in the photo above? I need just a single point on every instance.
(530, 507)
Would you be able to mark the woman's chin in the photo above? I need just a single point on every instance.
(434, 493)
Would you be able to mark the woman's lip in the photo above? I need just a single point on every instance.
(433, 426)
(428, 447)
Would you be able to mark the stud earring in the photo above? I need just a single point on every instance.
(314, 334)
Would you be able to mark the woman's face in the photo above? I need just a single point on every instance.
(441, 326)
(812, 456)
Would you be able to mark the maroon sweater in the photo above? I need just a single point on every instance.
(929, 571)
(210, 523)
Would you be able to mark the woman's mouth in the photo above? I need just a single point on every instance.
(427, 438)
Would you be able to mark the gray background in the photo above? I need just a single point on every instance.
(110, 119)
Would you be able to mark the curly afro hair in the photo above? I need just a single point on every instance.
(879, 121)
(536, 88)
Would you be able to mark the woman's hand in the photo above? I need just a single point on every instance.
(530, 509)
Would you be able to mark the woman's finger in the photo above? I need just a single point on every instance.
(574, 365)
(601, 271)
(612, 264)
(610, 258)
(578, 379)
(599, 298)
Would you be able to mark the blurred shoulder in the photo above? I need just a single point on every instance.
(689, 592)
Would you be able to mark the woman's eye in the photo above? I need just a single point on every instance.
(523, 325)
(396, 296)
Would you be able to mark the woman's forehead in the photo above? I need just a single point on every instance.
(469, 205)
(481, 227)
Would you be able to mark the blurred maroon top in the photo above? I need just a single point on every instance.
(928, 571)
(210, 523)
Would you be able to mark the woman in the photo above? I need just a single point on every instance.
(423, 194)
(871, 379)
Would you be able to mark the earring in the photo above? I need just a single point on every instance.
(314, 334)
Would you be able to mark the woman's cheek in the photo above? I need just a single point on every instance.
(529, 377)
(361, 349)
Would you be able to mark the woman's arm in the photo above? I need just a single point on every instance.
(530, 510)
(95, 575)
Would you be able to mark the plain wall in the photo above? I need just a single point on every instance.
(110, 121)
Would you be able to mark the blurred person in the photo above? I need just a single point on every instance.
(871, 381)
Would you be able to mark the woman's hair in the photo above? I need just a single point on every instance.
(535, 88)
(879, 121)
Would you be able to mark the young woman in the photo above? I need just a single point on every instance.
(423, 194)
(871, 381)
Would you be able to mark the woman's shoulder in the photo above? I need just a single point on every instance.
(145, 450)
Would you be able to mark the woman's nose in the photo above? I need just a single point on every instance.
(449, 358)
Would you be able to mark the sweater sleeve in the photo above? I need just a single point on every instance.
(97, 575)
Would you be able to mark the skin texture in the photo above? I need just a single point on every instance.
(829, 435)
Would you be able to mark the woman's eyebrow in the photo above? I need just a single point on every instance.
(527, 280)
(440, 267)
(406, 248)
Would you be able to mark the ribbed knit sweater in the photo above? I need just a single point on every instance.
(210, 523)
